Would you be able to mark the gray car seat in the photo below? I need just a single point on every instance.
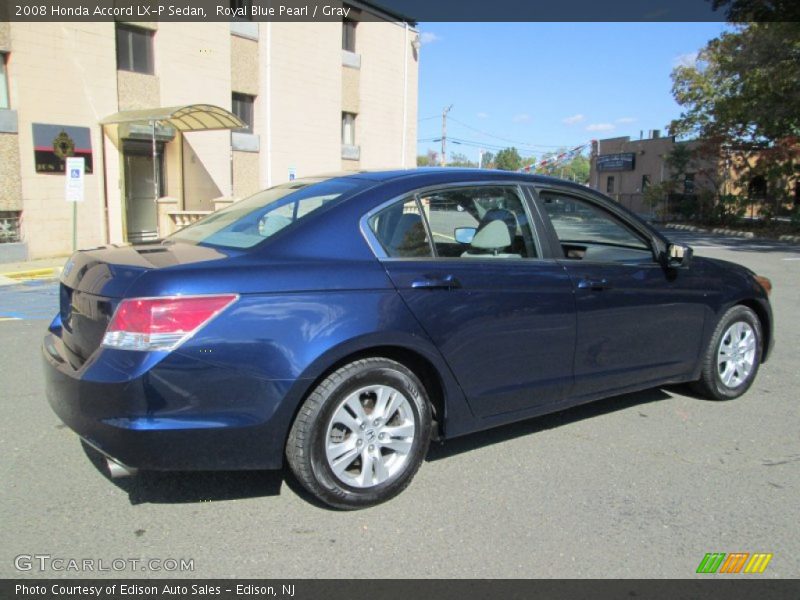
(495, 233)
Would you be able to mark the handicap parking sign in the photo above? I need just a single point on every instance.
(73, 190)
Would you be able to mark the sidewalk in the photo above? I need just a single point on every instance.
(750, 235)
(45, 268)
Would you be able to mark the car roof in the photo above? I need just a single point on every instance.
(440, 175)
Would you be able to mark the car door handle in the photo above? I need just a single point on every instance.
(595, 285)
(446, 282)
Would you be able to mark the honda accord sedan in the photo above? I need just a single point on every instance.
(340, 323)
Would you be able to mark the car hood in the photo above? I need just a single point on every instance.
(725, 265)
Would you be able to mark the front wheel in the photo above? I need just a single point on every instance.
(361, 434)
(733, 356)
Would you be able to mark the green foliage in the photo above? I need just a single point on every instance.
(729, 209)
(508, 159)
(460, 160)
(431, 159)
(657, 193)
(576, 169)
(745, 86)
(795, 220)
(487, 161)
(742, 11)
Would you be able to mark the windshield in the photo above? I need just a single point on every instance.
(252, 220)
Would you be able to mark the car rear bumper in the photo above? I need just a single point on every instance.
(169, 412)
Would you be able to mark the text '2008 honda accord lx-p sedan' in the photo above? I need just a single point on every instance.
(343, 322)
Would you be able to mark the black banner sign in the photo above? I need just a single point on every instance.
(405, 589)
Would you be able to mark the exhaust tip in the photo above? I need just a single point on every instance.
(118, 470)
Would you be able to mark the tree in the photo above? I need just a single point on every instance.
(508, 159)
(527, 160)
(742, 98)
(575, 169)
(431, 159)
(742, 11)
(744, 87)
(460, 160)
(487, 161)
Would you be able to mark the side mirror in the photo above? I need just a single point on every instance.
(464, 235)
(679, 256)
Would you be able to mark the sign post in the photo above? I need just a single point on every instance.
(73, 191)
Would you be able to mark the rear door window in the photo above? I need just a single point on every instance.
(401, 230)
(463, 222)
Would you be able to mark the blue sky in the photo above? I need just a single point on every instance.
(550, 84)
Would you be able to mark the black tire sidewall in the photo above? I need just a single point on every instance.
(736, 314)
(382, 373)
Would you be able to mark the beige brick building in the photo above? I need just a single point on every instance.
(313, 97)
(623, 168)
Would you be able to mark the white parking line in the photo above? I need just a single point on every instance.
(791, 259)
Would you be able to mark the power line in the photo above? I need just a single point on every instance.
(465, 142)
(500, 137)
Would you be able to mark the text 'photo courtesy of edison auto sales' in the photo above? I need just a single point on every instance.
(341, 323)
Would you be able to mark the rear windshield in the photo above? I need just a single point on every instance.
(254, 219)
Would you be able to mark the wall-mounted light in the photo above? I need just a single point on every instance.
(416, 43)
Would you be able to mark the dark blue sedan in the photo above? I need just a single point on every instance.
(343, 322)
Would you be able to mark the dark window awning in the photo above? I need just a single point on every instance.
(191, 117)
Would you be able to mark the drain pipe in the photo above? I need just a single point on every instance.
(404, 133)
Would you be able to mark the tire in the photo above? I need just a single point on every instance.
(350, 458)
(726, 380)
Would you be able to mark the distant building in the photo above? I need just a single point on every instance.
(624, 168)
(312, 98)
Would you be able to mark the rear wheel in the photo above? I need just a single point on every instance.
(361, 434)
(733, 356)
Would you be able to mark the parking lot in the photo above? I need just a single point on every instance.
(641, 485)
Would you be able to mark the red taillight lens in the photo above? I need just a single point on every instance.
(161, 323)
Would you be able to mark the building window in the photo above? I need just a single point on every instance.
(134, 49)
(688, 183)
(348, 129)
(3, 81)
(645, 182)
(610, 184)
(349, 35)
(242, 105)
(9, 226)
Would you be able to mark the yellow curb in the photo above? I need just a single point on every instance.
(34, 273)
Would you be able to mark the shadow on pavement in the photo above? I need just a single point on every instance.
(182, 487)
(505, 433)
(190, 486)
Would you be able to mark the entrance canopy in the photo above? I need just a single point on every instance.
(191, 117)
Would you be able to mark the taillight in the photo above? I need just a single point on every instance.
(161, 323)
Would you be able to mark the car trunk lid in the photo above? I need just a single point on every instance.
(94, 281)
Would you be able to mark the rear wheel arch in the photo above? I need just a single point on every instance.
(410, 358)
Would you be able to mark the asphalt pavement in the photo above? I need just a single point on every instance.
(641, 485)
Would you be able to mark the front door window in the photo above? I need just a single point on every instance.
(141, 217)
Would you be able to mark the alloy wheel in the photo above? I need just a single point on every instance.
(370, 435)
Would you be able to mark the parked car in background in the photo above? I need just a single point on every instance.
(340, 323)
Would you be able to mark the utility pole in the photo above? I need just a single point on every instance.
(443, 159)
